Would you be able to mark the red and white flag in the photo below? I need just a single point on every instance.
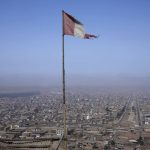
(74, 27)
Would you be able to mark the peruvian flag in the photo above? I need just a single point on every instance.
(72, 26)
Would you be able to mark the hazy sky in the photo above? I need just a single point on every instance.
(30, 41)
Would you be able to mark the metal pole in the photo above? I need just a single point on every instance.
(63, 81)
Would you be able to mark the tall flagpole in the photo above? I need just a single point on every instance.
(63, 82)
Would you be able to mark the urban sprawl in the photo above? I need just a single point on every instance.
(100, 120)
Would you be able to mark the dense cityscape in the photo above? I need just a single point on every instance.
(74, 75)
(106, 119)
